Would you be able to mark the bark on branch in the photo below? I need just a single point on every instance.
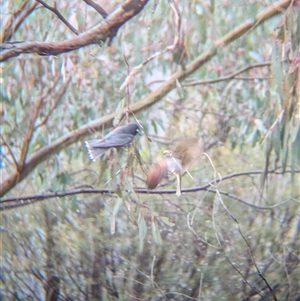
(106, 29)
(19, 201)
(16, 19)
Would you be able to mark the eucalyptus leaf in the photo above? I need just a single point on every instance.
(153, 229)
(74, 203)
(166, 220)
(119, 112)
(142, 228)
(117, 205)
(112, 224)
(295, 149)
(153, 123)
(277, 70)
(156, 234)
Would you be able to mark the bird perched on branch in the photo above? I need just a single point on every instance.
(120, 136)
(187, 152)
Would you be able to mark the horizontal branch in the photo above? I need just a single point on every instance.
(18, 201)
(106, 29)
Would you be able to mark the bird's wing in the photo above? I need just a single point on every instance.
(118, 140)
(112, 141)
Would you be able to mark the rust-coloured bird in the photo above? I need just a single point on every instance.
(187, 152)
(156, 173)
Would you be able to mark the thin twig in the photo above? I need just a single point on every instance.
(97, 7)
(16, 19)
(58, 96)
(59, 15)
(254, 262)
(240, 231)
(30, 129)
(70, 273)
(231, 196)
(243, 277)
(171, 48)
(11, 152)
(154, 284)
(225, 77)
(253, 78)
(189, 224)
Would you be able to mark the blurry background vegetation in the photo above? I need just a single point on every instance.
(237, 239)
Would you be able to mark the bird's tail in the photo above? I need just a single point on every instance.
(94, 152)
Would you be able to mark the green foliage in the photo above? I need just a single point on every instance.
(209, 244)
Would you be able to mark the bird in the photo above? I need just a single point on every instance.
(160, 170)
(186, 153)
(120, 136)
(175, 166)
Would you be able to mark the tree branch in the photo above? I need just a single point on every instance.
(10, 151)
(33, 117)
(30, 129)
(18, 201)
(225, 77)
(16, 19)
(97, 7)
(59, 15)
(95, 35)
(58, 96)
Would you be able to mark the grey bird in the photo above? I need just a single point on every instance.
(120, 136)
